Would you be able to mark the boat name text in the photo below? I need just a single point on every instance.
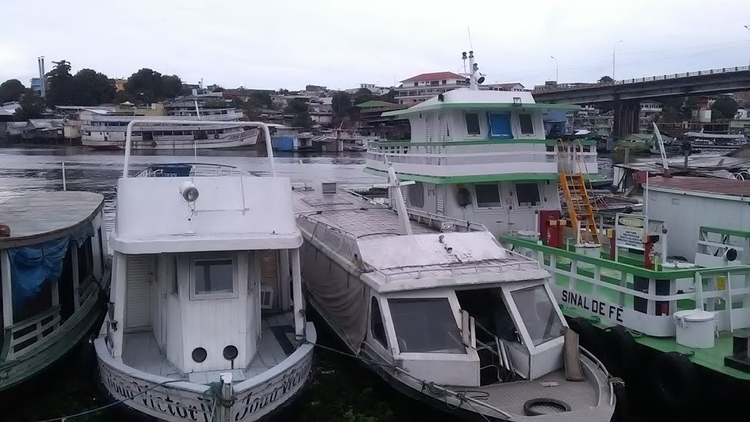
(594, 306)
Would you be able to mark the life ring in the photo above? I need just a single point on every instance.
(674, 383)
(620, 351)
(587, 334)
(216, 136)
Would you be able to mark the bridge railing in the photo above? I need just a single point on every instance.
(647, 79)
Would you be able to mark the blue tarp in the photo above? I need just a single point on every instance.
(500, 126)
(31, 266)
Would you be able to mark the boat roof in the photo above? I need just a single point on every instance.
(469, 99)
(36, 217)
(711, 185)
(232, 212)
(394, 262)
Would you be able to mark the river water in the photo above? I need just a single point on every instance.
(342, 389)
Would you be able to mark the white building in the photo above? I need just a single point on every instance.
(427, 85)
(373, 88)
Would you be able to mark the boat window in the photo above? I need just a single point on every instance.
(416, 195)
(527, 194)
(85, 259)
(425, 326)
(175, 283)
(488, 195)
(527, 126)
(213, 276)
(377, 328)
(472, 124)
(538, 314)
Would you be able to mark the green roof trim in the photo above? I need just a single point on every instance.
(454, 180)
(375, 104)
(726, 232)
(480, 106)
(549, 142)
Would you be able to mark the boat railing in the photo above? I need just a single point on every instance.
(638, 298)
(141, 122)
(196, 170)
(24, 335)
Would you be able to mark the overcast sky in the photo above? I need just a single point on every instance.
(341, 43)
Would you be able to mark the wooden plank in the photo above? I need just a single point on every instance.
(275, 348)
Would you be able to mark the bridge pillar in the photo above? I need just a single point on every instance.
(627, 118)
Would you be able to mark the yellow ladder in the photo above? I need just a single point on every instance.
(573, 186)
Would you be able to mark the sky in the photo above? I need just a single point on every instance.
(342, 43)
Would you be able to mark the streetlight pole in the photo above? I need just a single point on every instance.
(614, 49)
(748, 30)
(557, 67)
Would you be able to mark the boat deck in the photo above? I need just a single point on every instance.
(352, 214)
(142, 352)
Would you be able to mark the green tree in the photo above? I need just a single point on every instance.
(606, 80)
(144, 86)
(90, 87)
(362, 96)
(32, 107)
(11, 90)
(341, 103)
(261, 99)
(724, 108)
(301, 113)
(389, 97)
(170, 87)
(60, 84)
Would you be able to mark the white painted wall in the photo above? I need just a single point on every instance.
(684, 214)
(175, 346)
(252, 316)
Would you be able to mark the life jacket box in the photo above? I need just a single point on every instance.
(696, 328)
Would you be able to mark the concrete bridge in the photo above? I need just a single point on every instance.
(625, 95)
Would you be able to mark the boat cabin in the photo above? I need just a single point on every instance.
(480, 156)
(53, 268)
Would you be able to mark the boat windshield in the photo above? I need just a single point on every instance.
(538, 314)
(425, 325)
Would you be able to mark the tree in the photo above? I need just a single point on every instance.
(261, 99)
(32, 107)
(90, 87)
(171, 86)
(144, 86)
(389, 97)
(606, 80)
(362, 96)
(302, 118)
(341, 103)
(11, 90)
(60, 83)
(724, 107)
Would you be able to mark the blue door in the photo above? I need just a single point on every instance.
(500, 126)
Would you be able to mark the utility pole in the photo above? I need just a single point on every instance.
(748, 30)
(614, 50)
(557, 68)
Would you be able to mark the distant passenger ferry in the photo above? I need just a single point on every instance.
(105, 130)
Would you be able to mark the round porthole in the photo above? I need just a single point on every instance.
(230, 352)
(199, 354)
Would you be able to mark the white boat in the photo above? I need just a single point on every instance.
(443, 313)
(206, 321)
(55, 271)
(107, 130)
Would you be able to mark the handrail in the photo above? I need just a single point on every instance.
(129, 131)
(38, 332)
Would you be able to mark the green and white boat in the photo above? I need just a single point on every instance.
(54, 266)
(673, 331)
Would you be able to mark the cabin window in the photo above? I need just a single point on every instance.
(488, 195)
(85, 259)
(472, 124)
(527, 126)
(425, 326)
(377, 328)
(213, 277)
(500, 126)
(416, 195)
(538, 314)
(175, 282)
(527, 194)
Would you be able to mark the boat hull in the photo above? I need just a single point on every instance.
(233, 140)
(178, 400)
(58, 344)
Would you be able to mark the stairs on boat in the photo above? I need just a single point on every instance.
(573, 185)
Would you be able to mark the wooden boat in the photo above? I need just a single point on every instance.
(55, 271)
(206, 321)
